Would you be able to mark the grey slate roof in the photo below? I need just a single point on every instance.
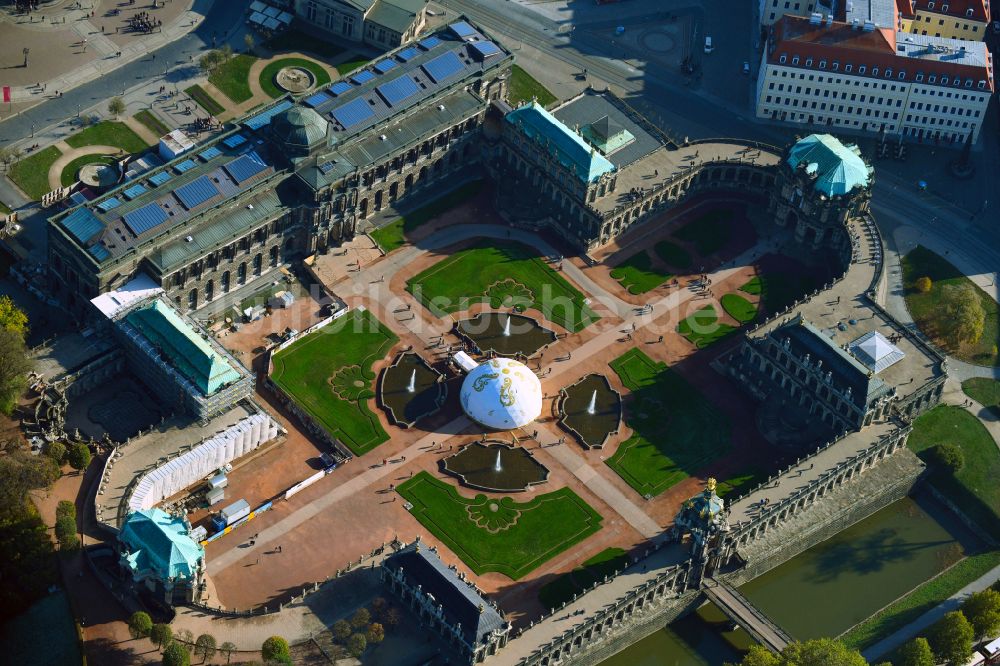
(397, 15)
(592, 107)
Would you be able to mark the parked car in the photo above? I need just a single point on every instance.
(708, 44)
(746, 67)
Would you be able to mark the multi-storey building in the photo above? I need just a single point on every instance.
(956, 19)
(381, 23)
(860, 77)
(773, 10)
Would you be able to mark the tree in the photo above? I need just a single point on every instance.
(923, 284)
(161, 635)
(341, 630)
(391, 617)
(66, 508)
(760, 656)
(12, 317)
(361, 618)
(79, 456)
(56, 451)
(249, 42)
(963, 315)
(917, 653)
(356, 645)
(139, 624)
(276, 649)
(375, 633)
(982, 609)
(821, 652)
(210, 61)
(948, 456)
(176, 654)
(116, 106)
(951, 638)
(66, 533)
(227, 649)
(14, 367)
(204, 645)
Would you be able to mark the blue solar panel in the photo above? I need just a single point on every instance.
(143, 219)
(83, 224)
(352, 113)
(197, 192)
(210, 153)
(186, 165)
(340, 87)
(134, 191)
(264, 119)
(398, 90)
(160, 178)
(109, 203)
(407, 54)
(78, 198)
(326, 167)
(317, 99)
(99, 252)
(444, 66)
(429, 43)
(384, 66)
(485, 49)
(234, 140)
(462, 29)
(363, 76)
(245, 167)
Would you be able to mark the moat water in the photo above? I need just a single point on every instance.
(827, 589)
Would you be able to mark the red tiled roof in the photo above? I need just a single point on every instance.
(905, 7)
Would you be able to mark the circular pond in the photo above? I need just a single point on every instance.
(294, 79)
(410, 389)
(591, 410)
(495, 467)
(505, 334)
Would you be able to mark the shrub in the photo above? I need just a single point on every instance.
(66, 508)
(79, 456)
(361, 618)
(56, 451)
(948, 456)
(161, 634)
(176, 654)
(276, 649)
(923, 284)
(356, 645)
(341, 630)
(375, 633)
(139, 624)
(951, 638)
(983, 611)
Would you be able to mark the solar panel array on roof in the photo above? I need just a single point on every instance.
(362, 77)
(398, 90)
(326, 167)
(78, 198)
(234, 140)
(210, 153)
(317, 99)
(383, 66)
(340, 87)
(352, 113)
(143, 219)
(485, 49)
(407, 54)
(109, 203)
(429, 43)
(264, 119)
(462, 29)
(99, 252)
(245, 167)
(186, 165)
(82, 224)
(442, 67)
(134, 191)
(160, 178)
(197, 192)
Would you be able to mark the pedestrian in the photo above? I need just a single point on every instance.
(403, 459)
(279, 549)
(384, 461)
(392, 487)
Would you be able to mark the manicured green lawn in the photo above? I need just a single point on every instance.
(328, 373)
(155, 125)
(676, 431)
(204, 100)
(754, 286)
(738, 308)
(926, 309)
(561, 590)
(296, 40)
(779, 290)
(702, 327)
(268, 73)
(32, 173)
(637, 274)
(709, 233)
(673, 254)
(523, 87)
(455, 283)
(984, 391)
(109, 133)
(975, 488)
(69, 172)
(351, 64)
(919, 601)
(231, 77)
(393, 235)
(500, 535)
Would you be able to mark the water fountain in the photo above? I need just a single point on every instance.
(590, 421)
(412, 386)
(505, 334)
(498, 465)
(495, 467)
(408, 397)
(593, 403)
(506, 327)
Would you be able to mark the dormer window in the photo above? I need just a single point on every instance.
(902, 75)
(968, 12)
(836, 65)
(809, 62)
(795, 60)
(782, 59)
(968, 83)
(944, 9)
(944, 80)
(920, 77)
(822, 64)
(982, 84)
(888, 72)
(930, 5)
(874, 71)
(847, 67)
(861, 69)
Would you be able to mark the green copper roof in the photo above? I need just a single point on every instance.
(160, 542)
(838, 168)
(568, 146)
(192, 356)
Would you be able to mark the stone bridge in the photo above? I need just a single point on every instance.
(746, 615)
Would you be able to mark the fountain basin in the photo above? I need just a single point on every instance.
(505, 334)
(594, 391)
(405, 406)
(475, 466)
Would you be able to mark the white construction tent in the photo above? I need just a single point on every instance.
(202, 461)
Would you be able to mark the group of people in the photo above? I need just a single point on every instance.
(143, 22)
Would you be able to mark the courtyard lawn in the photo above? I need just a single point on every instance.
(328, 374)
(467, 276)
(974, 488)
(738, 308)
(523, 87)
(109, 133)
(231, 77)
(675, 430)
(267, 74)
(204, 100)
(500, 535)
(984, 391)
(672, 254)
(926, 309)
(69, 172)
(154, 124)
(393, 235)
(561, 590)
(637, 275)
(702, 327)
(32, 173)
(296, 40)
(709, 233)
(778, 290)
(351, 64)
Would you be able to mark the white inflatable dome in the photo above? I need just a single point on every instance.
(502, 394)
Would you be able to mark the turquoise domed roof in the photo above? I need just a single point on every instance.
(157, 541)
(837, 168)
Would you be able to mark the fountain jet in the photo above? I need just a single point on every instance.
(592, 407)
(506, 327)
(498, 466)
(412, 386)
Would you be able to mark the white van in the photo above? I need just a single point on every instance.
(708, 44)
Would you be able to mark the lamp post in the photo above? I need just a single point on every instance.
(25, 51)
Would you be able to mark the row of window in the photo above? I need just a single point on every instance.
(927, 19)
(887, 72)
(782, 114)
(944, 8)
(839, 108)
